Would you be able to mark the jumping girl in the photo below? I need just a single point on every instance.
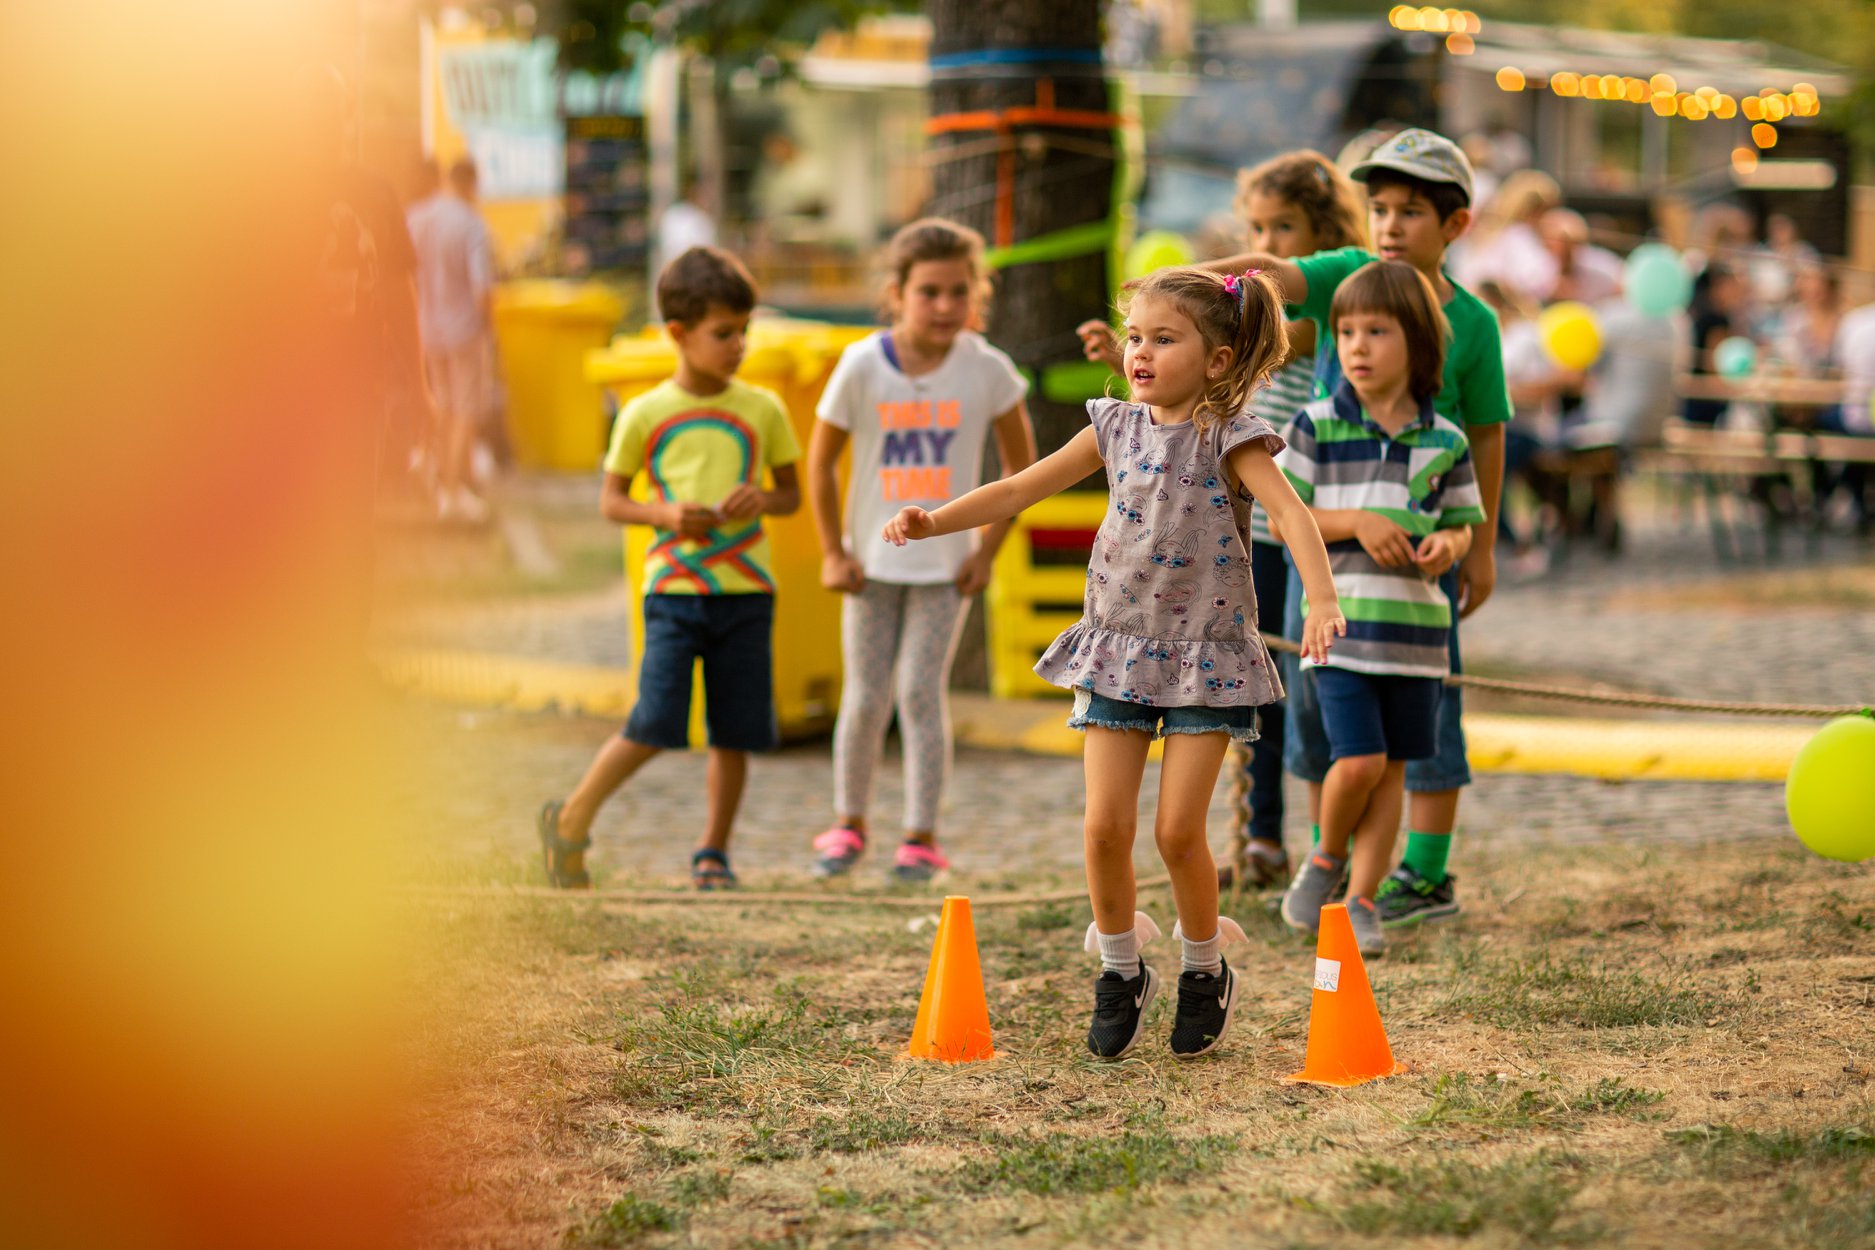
(1291, 205)
(1167, 644)
(916, 402)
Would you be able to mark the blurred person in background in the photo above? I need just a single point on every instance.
(1718, 313)
(1630, 386)
(455, 284)
(1506, 247)
(1855, 356)
(685, 224)
(367, 279)
(1806, 333)
(1772, 268)
(1583, 271)
(1482, 153)
(1537, 386)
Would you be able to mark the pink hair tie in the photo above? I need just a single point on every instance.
(1232, 283)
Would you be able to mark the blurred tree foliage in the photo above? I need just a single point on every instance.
(732, 33)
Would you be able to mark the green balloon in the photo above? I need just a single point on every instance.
(1656, 282)
(1830, 793)
(1156, 249)
(1735, 357)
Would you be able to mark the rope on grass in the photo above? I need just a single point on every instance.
(1661, 702)
(734, 898)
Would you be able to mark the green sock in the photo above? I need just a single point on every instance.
(1315, 835)
(1426, 854)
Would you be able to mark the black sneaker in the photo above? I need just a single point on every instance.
(1119, 1010)
(1406, 898)
(1205, 1006)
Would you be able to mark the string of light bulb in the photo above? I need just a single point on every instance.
(1661, 92)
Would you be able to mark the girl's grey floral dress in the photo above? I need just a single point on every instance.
(1170, 614)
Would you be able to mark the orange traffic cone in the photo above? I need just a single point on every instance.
(1347, 1043)
(953, 1018)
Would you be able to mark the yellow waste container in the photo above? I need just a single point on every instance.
(793, 359)
(543, 330)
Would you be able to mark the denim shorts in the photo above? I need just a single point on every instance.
(1305, 743)
(1161, 722)
(733, 636)
(1379, 713)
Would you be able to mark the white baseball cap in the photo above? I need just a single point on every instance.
(1421, 154)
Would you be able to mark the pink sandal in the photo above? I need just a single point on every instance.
(840, 848)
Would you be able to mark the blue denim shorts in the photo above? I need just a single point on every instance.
(1379, 713)
(733, 636)
(1161, 722)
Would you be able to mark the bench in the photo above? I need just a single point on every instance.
(1771, 472)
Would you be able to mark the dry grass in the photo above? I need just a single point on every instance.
(1621, 1046)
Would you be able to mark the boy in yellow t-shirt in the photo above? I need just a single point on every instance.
(704, 439)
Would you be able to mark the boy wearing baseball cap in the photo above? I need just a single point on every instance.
(1419, 202)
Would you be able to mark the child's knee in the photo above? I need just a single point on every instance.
(1364, 771)
(1181, 844)
(1109, 835)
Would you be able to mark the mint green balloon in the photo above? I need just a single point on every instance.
(1830, 792)
(1656, 282)
(1735, 357)
(1156, 249)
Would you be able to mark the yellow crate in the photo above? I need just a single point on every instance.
(792, 359)
(1028, 605)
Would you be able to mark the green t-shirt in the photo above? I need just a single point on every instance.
(1475, 392)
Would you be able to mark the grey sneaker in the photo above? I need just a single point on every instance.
(1365, 921)
(1315, 886)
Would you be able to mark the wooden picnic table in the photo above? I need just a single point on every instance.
(1779, 391)
(1761, 470)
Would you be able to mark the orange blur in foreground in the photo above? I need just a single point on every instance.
(200, 1041)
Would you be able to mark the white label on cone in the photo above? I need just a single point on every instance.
(1327, 974)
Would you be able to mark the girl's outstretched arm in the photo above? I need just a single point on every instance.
(1295, 524)
(1015, 445)
(1003, 498)
(1288, 274)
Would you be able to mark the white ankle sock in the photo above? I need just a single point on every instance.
(1203, 956)
(1119, 952)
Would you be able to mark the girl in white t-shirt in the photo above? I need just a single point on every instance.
(916, 402)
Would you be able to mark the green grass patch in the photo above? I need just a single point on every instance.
(1728, 1149)
(1526, 1197)
(1489, 1102)
(861, 1131)
(1545, 991)
(1612, 1095)
(1066, 1163)
(1047, 916)
(700, 1188)
(625, 1223)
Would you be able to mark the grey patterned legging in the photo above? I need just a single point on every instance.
(892, 631)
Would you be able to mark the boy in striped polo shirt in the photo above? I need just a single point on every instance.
(1391, 484)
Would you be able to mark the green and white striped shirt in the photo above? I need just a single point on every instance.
(1422, 480)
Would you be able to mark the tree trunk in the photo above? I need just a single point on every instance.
(1062, 176)
(988, 57)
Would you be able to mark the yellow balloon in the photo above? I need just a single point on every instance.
(1571, 335)
(1830, 793)
(1156, 249)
